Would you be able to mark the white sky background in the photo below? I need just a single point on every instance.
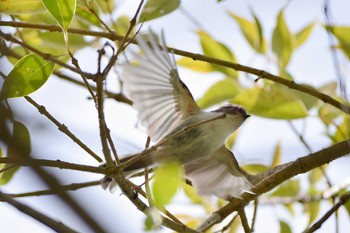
(310, 64)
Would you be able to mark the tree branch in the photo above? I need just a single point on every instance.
(261, 74)
(69, 187)
(343, 199)
(267, 180)
(53, 224)
(53, 163)
(44, 55)
(63, 128)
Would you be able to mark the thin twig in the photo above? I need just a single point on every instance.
(123, 41)
(300, 137)
(44, 55)
(244, 221)
(43, 218)
(53, 163)
(343, 199)
(256, 204)
(87, 85)
(55, 28)
(49, 179)
(261, 74)
(228, 225)
(308, 147)
(99, 79)
(63, 128)
(267, 180)
(92, 10)
(69, 187)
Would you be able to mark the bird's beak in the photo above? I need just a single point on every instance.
(246, 116)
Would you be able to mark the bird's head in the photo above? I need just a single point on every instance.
(236, 112)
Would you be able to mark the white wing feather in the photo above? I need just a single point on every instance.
(153, 84)
(218, 175)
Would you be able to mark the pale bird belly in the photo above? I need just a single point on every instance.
(191, 145)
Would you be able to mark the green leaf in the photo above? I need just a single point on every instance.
(153, 219)
(223, 90)
(312, 209)
(122, 25)
(347, 207)
(168, 178)
(198, 66)
(343, 131)
(342, 34)
(215, 49)
(291, 208)
(277, 156)
(327, 113)
(14, 7)
(255, 168)
(53, 43)
(195, 199)
(27, 76)
(275, 101)
(315, 175)
(252, 31)
(284, 227)
(56, 43)
(106, 6)
(19, 147)
(308, 100)
(38, 18)
(289, 188)
(283, 73)
(62, 10)
(157, 8)
(282, 41)
(85, 19)
(262, 41)
(192, 195)
(230, 141)
(303, 34)
(235, 226)
(329, 89)
(21, 139)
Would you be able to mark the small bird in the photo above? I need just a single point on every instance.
(178, 127)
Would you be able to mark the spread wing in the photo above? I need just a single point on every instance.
(219, 175)
(153, 84)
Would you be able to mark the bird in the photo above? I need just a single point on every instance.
(178, 127)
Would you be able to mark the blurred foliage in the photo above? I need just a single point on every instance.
(168, 178)
(262, 98)
(19, 148)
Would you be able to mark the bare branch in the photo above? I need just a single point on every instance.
(69, 187)
(53, 224)
(44, 55)
(343, 199)
(52, 163)
(267, 180)
(261, 74)
(244, 221)
(63, 128)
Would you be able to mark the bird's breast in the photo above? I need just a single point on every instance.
(194, 140)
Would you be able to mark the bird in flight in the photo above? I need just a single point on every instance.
(178, 127)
